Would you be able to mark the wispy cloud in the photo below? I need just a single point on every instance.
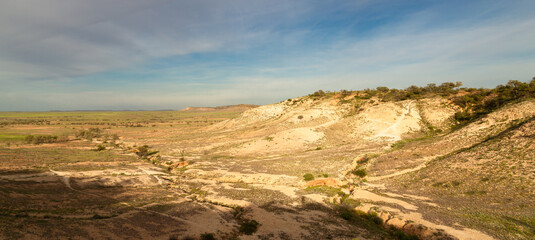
(50, 39)
(141, 54)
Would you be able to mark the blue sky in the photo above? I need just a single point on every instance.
(141, 54)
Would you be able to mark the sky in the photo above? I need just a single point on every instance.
(149, 54)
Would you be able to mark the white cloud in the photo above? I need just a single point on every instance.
(54, 38)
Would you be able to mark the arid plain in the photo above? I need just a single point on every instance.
(434, 162)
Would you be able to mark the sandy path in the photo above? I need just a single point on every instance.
(392, 131)
(153, 174)
(425, 160)
(65, 178)
(363, 194)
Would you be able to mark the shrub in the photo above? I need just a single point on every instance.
(248, 227)
(345, 93)
(483, 101)
(382, 89)
(349, 202)
(100, 148)
(325, 190)
(398, 145)
(143, 151)
(364, 159)
(308, 177)
(375, 218)
(319, 93)
(38, 139)
(207, 236)
(89, 134)
(361, 172)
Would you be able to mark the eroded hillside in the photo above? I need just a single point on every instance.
(436, 162)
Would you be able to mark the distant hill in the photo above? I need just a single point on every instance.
(230, 108)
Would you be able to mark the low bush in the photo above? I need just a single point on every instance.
(144, 151)
(361, 172)
(319, 93)
(207, 236)
(89, 134)
(308, 177)
(100, 148)
(326, 190)
(248, 227)
(38, 139)
(479, 102)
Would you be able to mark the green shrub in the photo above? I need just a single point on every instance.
(365, 159)
(248, 227)
(38, 139)
(483, 101)
(348, 202)
(326, 190)
(89, 134)
(207, 236)
(361, 172)
(319, 93)
(100, 148)
(308, 177)
(375, 218)
(144, 151)
(345, 93)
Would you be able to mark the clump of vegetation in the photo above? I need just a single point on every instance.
(199, 192)
(319, 93)
(326, 190)
(248, 227)
(398, 234)
(89, 134)
(38, 139)
(100, 148)
(96, 216)
(345, 93)
(360, 172)
(480, 102)
(398, 145)
(351, 214)
(144, 151)
(207, 236)
(269, 139)
(366, 159)
(371, 221)
(308, 177)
